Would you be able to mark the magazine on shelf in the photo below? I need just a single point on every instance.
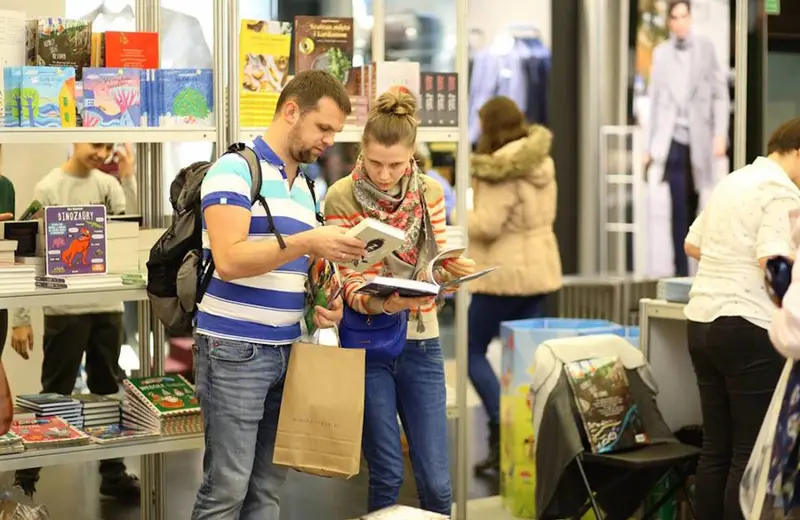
(381, 239)
(608, 411)
(383, 286)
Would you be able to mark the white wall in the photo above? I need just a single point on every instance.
(24, 165)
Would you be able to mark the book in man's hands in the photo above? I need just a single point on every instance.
(382, 240)
(384, 287)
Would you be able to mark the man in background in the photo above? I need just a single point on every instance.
(91, 329)
(689, 117)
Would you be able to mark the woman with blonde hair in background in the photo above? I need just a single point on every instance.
(388, 185)
(511, 227)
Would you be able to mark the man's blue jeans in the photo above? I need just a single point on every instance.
(412, 386)
(239, 386)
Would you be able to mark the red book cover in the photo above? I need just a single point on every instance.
(138, 50)
(46, 431)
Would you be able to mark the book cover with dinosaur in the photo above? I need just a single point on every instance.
(48, 97)
(111, 97)
(75, 239)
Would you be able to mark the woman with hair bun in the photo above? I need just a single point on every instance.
(387, 184)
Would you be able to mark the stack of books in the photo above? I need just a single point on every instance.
(98, 411)
(48, 406)
(15, 278)
(163, 404)
(8, 249)
(48, 433)
(11, 443)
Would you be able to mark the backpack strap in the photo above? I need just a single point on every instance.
(253, 162)
(317, 213)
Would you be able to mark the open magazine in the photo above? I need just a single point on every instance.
(384, 287)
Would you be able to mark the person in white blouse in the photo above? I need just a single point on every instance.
(746, 222)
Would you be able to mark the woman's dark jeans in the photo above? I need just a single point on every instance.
(486, 312)
(737, 371)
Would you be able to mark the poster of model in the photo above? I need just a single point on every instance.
(682, 102)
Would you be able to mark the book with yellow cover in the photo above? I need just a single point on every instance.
(265, 48)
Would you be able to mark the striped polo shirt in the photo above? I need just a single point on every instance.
(264, 309)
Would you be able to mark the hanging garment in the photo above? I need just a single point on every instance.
(516, 68)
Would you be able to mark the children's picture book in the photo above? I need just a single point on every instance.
(12, 85)
(164, 395)
(75, 239)
(381, 239)
(48, 97)
(609, 414)
(138, 50)
(60, 42)
(324, 286)
(111, 97)
(185, 97)
(324, 43)
(47, 433)
(265, 49)
(383, 286)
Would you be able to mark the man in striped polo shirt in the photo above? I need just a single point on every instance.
(251, 312)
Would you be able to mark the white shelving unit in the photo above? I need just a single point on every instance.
(111, 135)
(352, 134)
(149, 168)
(663, 342)
(93, 452)
(44, 297)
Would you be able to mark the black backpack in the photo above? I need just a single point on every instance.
(177, 273)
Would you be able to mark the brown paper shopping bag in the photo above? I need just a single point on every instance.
(322, 412)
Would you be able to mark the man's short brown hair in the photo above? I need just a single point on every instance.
(786, 138)
(308, 87)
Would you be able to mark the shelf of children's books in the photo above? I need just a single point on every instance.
(44, 297)
(106, 135)
(44, 457)
(352, 134)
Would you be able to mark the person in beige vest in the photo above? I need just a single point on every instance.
(510, 227)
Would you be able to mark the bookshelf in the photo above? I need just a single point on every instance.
(150, 174)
